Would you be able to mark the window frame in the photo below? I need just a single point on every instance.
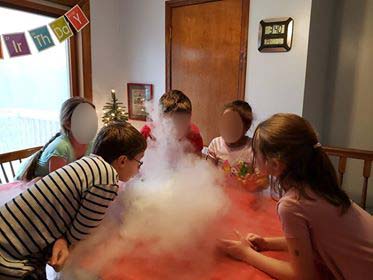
(79, 44)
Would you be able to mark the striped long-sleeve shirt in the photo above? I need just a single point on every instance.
(69, 202)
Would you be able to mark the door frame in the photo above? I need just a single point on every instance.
(171, 4)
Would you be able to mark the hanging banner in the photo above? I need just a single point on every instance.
(16, 44)
(77, 18)
(42, 38)
(1, 50)
(61, 29)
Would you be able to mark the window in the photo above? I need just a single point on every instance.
(32, 87)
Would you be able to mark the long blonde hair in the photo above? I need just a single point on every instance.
(66, 113)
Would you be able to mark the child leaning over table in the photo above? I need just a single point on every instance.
(326, 234)
(62, 208)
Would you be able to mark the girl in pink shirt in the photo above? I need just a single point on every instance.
(326, 234)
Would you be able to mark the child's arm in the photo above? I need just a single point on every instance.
(276, 243)
(300, 267)
(91, 212)
(56, 163)
(267, 243)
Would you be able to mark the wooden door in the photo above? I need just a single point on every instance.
(206, 46)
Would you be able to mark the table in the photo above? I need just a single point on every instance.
(248, 213)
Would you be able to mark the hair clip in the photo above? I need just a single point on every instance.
(317, 145)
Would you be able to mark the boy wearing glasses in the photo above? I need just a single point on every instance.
(62, 208)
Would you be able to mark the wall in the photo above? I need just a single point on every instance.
(143, 44)
(107, 50)
(128, 45)
(348, 111)
(275, 81)
(321, 37)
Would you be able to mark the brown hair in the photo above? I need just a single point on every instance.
(244, 110)
(118, 139)
(292, 140)
(175, 101)
(67, 110)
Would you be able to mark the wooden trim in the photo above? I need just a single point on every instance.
(69, 3)
(168, 32)
(74, 67)
(243, 47)
(16, 155)
(33, 7)
(87, 53)
(180, 3)
(343, 154)
(349, 153)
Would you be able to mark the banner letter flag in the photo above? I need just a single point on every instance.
(1, 50)
(16, 44)
(77, 18)
(61, 29)
(42, 38)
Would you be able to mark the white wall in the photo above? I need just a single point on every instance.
(107, 58)
(275, 81)
(128, 45)
(143, 44)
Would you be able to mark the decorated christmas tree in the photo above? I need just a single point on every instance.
(114, 111)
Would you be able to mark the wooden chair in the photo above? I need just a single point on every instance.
(344, 154)
(9, 158)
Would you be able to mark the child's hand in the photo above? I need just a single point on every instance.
(258, 242)
(240, 249)
(60, 254)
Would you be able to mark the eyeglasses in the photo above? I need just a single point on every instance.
(139, 162)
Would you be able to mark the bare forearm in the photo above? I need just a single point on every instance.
(276, 244)
(275, 268)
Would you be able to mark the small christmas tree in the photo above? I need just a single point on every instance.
(114, 111)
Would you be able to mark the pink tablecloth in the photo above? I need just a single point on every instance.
(248, 214)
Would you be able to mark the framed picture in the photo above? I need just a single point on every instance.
(138, 94)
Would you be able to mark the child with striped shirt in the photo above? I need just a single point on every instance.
(65, 206)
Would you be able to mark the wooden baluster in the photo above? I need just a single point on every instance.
(341, 168)
(366, 174)
(12, 169)
(4, 173)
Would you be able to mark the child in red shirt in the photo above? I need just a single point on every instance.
(176, 105)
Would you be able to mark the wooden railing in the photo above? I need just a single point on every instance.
(343, 154)
(7, 159)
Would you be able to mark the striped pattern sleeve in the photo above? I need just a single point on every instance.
(91, 212)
